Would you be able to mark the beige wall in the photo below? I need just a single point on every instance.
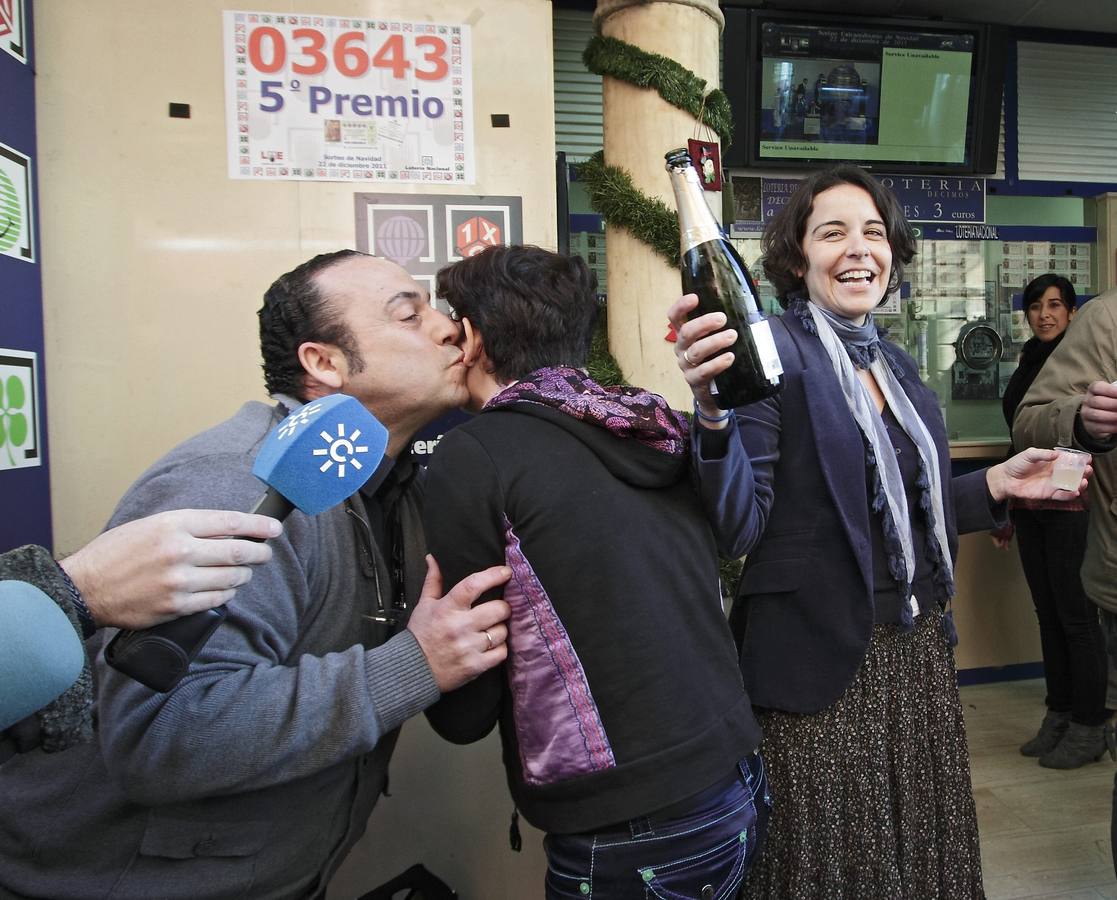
(154, 261)
(154, 264)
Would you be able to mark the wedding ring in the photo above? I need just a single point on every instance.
(686, 355)
(489, 638)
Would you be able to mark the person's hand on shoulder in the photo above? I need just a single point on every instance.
(461, 640)
(169, 564)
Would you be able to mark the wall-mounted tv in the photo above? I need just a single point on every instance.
(894, 95)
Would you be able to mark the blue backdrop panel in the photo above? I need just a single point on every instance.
(24, 486)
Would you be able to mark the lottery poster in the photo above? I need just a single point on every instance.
(425, 232)
(312, 97)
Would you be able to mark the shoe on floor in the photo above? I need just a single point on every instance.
(1050, 733)
(1080, 745)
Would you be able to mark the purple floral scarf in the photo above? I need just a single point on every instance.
(624, 411)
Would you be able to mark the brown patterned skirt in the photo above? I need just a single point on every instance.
(872, 796)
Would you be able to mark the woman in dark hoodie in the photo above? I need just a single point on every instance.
(627, 734)
(1052, 540)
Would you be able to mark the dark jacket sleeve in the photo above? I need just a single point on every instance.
(974, 509)
(736, 485)
(463, 520)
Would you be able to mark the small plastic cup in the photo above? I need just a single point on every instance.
(1067, 472)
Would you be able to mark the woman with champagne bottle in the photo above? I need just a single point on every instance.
(839, 490)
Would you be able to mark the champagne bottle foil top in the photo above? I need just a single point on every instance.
(686, 171)
(677, 159)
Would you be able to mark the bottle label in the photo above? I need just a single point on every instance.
(701, 233)
(766, 347)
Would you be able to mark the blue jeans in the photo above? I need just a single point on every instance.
(701, 854)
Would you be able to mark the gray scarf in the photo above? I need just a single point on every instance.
(835, 332)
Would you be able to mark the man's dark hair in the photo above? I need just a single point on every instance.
(782, 242)
(294, 312)
(1037, 287)
(533, 308)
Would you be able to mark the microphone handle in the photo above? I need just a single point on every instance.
(158, 657)
(272, 504)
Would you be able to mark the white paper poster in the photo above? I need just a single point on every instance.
(339, 99)
(20, 447)
(13, 36)
(16, 227)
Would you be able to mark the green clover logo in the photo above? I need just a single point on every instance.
(13, 422)
(11, 214)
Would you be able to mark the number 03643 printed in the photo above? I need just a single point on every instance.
(313, 97)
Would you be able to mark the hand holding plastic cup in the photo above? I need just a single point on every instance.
(1066, 474)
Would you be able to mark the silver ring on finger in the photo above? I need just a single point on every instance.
(489, 639)
(686, 355)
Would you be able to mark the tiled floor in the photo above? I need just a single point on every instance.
(1044, 833)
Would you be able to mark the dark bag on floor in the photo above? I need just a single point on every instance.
(419, 884)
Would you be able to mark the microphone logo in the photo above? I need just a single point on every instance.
(341, 450)
(297, 420)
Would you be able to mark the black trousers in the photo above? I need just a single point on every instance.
(1052, 544)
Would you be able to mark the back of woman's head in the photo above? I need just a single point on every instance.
(1037, 287)
(782, 243)
(532, 308)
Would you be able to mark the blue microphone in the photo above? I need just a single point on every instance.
(40, 652)
(321, 454)
(316, 458)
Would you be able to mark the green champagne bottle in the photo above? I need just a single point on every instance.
(713, 270)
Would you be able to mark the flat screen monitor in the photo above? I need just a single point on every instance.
(892, 95)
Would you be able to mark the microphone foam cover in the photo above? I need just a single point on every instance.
(322, 453)
(40, 652)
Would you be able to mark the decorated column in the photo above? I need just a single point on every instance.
(659, 60)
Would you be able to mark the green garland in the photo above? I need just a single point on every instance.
(613, 194)
(615, 197)
(678, 86)
(602, 365)
(611, 191)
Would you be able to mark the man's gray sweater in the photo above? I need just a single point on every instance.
(256, 774)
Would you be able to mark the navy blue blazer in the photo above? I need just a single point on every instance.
(792, 494)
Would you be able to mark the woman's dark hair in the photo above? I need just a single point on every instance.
(533, 308)
(295, 312)
(1037, 287)
(783, 238)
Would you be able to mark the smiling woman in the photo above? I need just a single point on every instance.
(849, 259)
(847, 225)
(1049, 304)
(863, 732)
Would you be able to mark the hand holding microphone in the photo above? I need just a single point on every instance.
(316, 458)
(169, 564)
